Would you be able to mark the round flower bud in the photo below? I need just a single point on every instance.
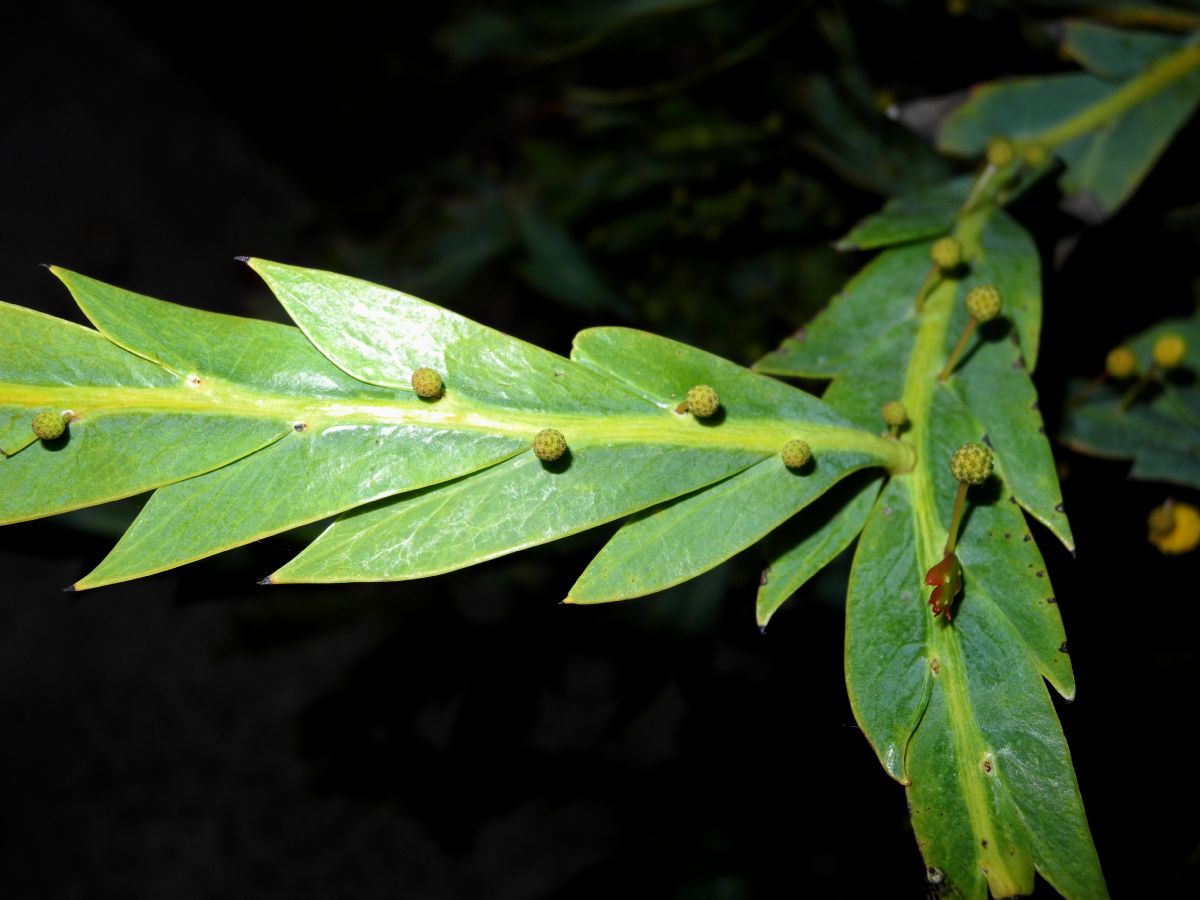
(49, 425)
(549, 445)
(1169, 350)
(983, 303)
(427, 383)
(946, 253)
(1161, 520)
(1035, 155)
(703, 401)
(1000, 152)
(1120, 362)
(971, 463)
(1184, 534)
(894, 413)
(796, 454)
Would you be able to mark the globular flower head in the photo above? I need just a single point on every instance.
(796, 454)
(1120, 362)
(1174, 528)
(1035, 155)
(49, 425)
(427, 383)
(1169, 350)
(983, 302)
(971, 463)
(703, 401)
(549, 445)
(894, 413)
(946, 253)
(1000, 152)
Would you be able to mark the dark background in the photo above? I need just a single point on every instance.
(193, 735)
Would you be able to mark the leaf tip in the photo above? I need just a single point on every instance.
(69, 589)
(266, 580)
(243, 259)
(568, 601)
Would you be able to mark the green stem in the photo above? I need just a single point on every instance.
(1156, 78)
(960, 502)
(932, 277)
(958, 349)
(1138, 386)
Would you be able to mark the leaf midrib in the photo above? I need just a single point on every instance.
(930, 533)
(212, 396)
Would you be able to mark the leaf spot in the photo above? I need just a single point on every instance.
(1040, 574)
(766, 574)
(299, 426)
(194, 380)
(935, 665)
(1063, 648)
(983, 843)
(1051, 599)
(1058, 508)
(1028, 537)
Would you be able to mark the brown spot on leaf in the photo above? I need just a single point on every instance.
(1058, 507)
(766, 574)
(1051, 599)
(987, 766)
(1040, 574)
(1012, 499)
(935, 665)
(299, 426)
(1007, 536)
(1063, 648)
(983, 843)
(1028, 537)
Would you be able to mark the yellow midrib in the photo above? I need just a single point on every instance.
(757, 435)
(928, 357)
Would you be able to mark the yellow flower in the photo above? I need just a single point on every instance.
(1169, 350)
(1120, 362)
(1183, 535)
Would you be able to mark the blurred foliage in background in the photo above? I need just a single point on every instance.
(683, 166)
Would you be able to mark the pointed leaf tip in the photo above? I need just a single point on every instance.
(69, 589)
(266, 580)
(242, 259)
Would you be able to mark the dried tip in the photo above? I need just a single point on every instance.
(567, 601)
(244, 259)
(69, 589)
(266, 580)
(762, 629)
(46, 265)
